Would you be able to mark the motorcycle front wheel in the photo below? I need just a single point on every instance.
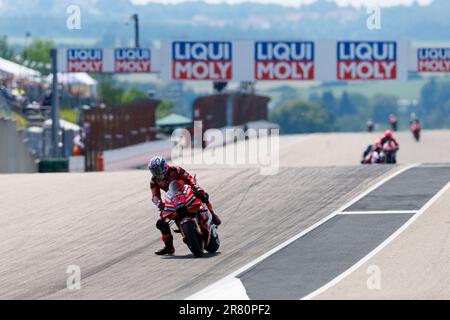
(193, 239)
(214, 243)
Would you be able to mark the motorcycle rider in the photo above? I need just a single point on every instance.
(370, 125)
(390, 146)
(162, 176)
(393, 121)
(415, 127)
(373, 154)
(388, 136)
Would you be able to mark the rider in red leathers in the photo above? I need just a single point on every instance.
(393, 121)
(389, 137)
(390, 147)
(162, 176)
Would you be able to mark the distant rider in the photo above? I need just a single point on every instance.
(413, 118)
(162, 176)
(393, 121)
(370, 125)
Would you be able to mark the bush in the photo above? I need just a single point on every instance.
(302, 117)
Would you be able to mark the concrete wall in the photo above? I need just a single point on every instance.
(15, 156)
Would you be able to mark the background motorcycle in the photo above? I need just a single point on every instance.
(415, 129)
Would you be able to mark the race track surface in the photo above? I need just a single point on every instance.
(104, 223)
(413, 266)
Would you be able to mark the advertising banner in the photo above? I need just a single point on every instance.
(132, 60)
(283, 60)
(202, 60)
(119, 60)
(84, 60)
(367, 60)
(271, 60)
(433, 60)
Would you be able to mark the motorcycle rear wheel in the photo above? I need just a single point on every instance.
(193, 239)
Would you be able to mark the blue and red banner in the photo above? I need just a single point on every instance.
(132, 60)
(283, 60)
(367, 60)
(202, 60)
(85, 60)
(433, 60)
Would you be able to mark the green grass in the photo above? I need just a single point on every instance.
(69, 115)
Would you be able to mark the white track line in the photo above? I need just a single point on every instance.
(434, 166)
(379, 248)
(379, 212)
(219, 289)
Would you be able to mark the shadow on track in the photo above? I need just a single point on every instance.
(191, 256)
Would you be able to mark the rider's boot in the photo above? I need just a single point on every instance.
(168, 249)
(215, 218)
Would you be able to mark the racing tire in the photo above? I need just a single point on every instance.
(193, 239)
(214, 243)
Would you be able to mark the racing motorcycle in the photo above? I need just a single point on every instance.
(188, 215)
(415, 129)
(390, 152)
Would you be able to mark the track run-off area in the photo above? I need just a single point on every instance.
(309, 232)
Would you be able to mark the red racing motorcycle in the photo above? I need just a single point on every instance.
(390, 152)
(415, 129)
(192, 219)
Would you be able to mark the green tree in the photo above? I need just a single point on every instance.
(383, 106)
(6, 52)
(361, 103)
(329, 101)
(429, 96)
(165, 108)
(39, 51)
(346, 106)
(133, 94)
(299, 116)
(443, 97)
(109, 94)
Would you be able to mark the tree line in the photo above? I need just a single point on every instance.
(350, 112)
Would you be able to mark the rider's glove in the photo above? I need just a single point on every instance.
(159, 204)
(203, 196)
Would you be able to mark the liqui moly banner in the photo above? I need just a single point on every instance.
(119, 60)
(132, 60)
(202, 60)
(433, 60)
(367, 60)
(85, 60)
(246, 60)
(283, 60)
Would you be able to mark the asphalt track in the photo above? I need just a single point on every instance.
(320, 256)
(413, 266)
(333, 247)
(346, 149)
(104, 223)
